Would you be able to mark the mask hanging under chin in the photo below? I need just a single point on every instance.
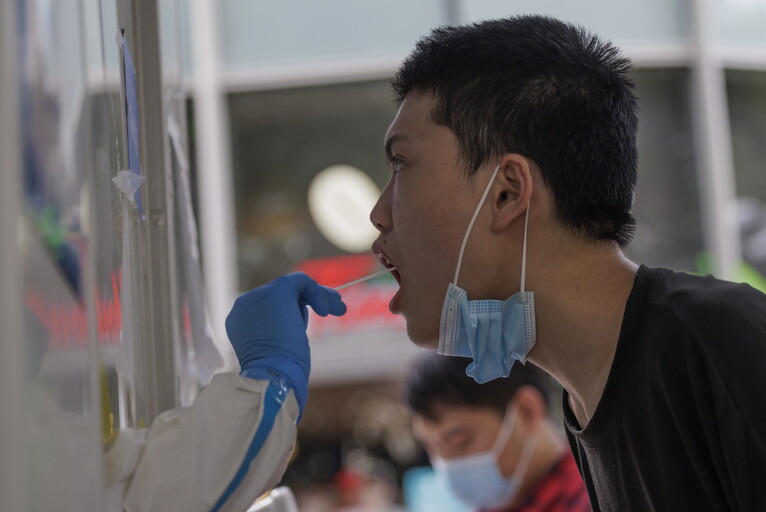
(493, 333)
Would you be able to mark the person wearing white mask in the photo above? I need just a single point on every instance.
(493, 444)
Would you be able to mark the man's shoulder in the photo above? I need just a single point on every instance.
(711, 333)
(700, 300)
(703, 322)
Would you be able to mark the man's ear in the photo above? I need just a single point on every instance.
(531, 407)
(511, 192)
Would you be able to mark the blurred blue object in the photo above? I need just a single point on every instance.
(425, 492)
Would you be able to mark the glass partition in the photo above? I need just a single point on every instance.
(61, 395)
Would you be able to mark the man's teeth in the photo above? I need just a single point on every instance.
(385, 261)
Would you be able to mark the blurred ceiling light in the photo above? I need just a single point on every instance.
(340, 199)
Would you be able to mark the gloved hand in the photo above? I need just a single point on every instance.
(267, 328)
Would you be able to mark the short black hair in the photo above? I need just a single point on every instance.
(441, 380)
(548, 90)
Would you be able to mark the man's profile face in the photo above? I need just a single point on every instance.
(422, 215)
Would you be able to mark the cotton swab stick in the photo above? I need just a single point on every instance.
(365, 278)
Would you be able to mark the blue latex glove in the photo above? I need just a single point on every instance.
(267, 328)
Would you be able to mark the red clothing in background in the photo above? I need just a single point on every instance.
(561, 490)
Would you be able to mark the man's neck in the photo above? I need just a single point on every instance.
(579, 309)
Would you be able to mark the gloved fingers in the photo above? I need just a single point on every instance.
(303, 285)
(327, 302)
(309, 293)
(323, 300)
(305, 316)
(337, 306)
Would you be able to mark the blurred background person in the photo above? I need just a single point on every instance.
(494, 444)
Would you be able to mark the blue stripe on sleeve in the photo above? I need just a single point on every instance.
(272, 402)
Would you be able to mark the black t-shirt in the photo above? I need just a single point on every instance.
(681, 424)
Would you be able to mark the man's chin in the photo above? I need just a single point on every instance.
(423, 338)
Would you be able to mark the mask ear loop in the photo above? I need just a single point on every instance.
(470, 227)
(524, 250)
(505, 431)
(526, 457)
(502, 440)
(470, 224)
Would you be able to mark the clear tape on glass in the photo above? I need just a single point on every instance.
(128, 182)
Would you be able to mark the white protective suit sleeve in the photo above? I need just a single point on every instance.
(229, 447)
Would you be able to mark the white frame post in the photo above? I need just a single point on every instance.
(713, 149)
(155, 302)
(214, 176)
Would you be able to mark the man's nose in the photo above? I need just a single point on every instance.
(380, 216)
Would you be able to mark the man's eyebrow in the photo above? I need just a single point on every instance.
(390, 142)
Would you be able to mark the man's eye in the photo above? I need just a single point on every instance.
(396, 163)
(461, 445)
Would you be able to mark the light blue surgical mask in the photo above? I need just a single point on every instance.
(477, 480)
(494, 333)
